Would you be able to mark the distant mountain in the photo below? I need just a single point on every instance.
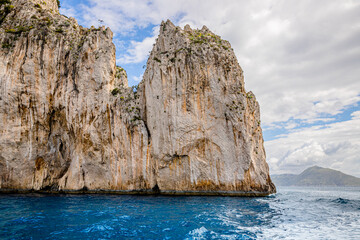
(316, 176)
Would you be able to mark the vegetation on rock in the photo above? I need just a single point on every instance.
(68, 111)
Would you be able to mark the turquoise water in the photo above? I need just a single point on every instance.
(292, 213)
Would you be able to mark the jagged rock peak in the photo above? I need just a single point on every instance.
(168, 25)
(56, 79)
(187, 28)
(198, 45)
(121, 79)
(70, 123)
(204, 127)
(50, 5)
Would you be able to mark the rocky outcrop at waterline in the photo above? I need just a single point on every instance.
(70, 122)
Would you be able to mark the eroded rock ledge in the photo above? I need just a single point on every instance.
(72, 124)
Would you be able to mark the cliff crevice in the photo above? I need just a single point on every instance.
(71, 123)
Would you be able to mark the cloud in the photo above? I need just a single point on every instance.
(68, 11)
(300, 58)
(139, 50)
(308, 105)
(294, 53)
(335, 145)
(317, 120)
(127, 16)
(356, 115)
(138, 79)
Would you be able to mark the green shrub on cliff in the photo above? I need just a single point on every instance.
(59, 30)
(6, 10)
(115, 91)
(6, 45)
(11, 30)
(156, 59)
(19, 29)
(2, 2)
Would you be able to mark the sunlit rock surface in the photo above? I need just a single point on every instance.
(71, 123)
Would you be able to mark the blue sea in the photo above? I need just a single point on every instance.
(292, 213)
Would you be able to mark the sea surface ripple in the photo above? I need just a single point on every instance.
(292, 213)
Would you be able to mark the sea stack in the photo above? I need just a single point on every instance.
(70, 123)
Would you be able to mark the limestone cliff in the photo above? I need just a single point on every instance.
(70, 122)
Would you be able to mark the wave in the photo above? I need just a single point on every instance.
(198, 233)
(344, 203)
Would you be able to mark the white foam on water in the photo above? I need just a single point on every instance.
(198, 233)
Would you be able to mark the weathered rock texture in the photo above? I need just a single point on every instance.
(69, 122)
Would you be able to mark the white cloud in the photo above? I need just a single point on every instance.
(336, 145)
(300, 58)
(294, 53)
(138, 79)
(356, 115)
(306, 105)
(68, 11)
(126, 16)
(317, 120)
(139, 51)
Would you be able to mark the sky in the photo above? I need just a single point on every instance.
(300, 58)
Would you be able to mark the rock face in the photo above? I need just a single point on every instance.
(71, 123)
(205, 129)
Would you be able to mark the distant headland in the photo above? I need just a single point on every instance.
(316, 176)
